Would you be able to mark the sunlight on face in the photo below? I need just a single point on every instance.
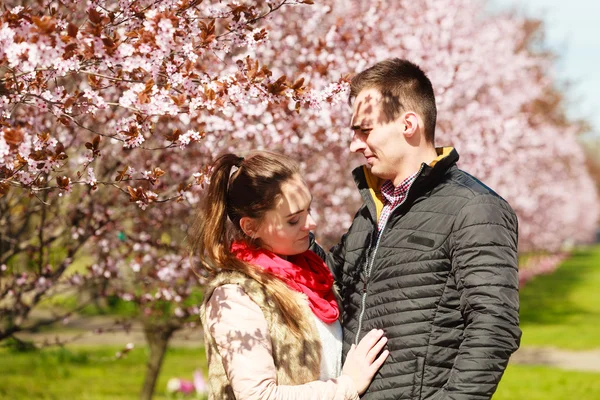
(380, 141)
(285, 228)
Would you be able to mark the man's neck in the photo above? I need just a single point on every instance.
(412, 163)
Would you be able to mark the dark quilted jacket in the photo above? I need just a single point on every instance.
(441, 281)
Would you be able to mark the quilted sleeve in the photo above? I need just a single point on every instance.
(484, 261)
(335, 259)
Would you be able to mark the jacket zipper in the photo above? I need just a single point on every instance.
(372, 260)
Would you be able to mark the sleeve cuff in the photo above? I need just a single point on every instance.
(349, 390)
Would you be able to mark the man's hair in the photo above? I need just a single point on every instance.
(404, 87)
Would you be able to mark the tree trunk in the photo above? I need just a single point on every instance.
(157, 336)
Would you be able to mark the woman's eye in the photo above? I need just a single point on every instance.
(293, 222)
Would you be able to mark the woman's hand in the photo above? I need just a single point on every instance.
(362, 362)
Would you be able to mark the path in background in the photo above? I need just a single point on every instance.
(560, 316)
(548, 356)
(80, 331)
(553, 357)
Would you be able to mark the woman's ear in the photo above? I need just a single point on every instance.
(249, 226)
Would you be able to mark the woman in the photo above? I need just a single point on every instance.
(270, 314)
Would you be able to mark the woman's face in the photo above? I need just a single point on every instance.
(284, 229)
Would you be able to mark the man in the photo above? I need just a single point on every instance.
(431, 256)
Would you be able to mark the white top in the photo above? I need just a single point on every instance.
(331, 356)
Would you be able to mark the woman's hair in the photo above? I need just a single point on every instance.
(250, 191)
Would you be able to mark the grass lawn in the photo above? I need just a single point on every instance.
(92, 373)
(543, 383)
(563, 309)
(88, 373)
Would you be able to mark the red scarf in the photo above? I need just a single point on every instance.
(305, 273)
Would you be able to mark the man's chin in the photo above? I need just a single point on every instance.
(374, 170)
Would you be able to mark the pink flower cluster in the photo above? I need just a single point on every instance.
(111, 114)
(540, 265)
(185, 387)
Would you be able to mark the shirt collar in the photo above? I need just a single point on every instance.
(393, 193)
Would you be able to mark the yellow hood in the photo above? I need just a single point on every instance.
(375, 182)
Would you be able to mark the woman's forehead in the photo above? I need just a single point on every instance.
(295, 196)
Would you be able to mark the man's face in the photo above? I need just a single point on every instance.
(379, 140)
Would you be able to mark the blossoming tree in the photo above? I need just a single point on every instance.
(110, 118)
(112, 113)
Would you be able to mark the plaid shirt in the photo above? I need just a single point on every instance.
(393, 196)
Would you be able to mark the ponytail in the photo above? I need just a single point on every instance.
(213, 241)
(212, 234)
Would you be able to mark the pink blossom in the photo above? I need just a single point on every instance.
(179, 312)
(199, 383)
(159, 91)
(92, 181)
(176, 385)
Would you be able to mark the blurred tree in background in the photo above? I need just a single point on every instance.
(112, 113)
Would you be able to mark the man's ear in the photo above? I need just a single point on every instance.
(411, 123)
(249, 226)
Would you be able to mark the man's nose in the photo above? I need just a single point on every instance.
(357, 143)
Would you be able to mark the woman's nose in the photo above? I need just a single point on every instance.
(310, 223)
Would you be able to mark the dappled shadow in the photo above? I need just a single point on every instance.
(297, 359)
(383, 108)
(546, 299)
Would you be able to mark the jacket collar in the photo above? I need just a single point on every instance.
(369, 185)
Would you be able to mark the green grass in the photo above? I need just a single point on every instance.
(92, 373)
(543, 383)
(563, 309)
(88, 373)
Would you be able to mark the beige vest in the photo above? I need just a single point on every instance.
(297, 361)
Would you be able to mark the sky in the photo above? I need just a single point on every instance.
(572, 30)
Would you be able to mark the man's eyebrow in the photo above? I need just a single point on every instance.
(299, 211)
(366, 125)
(356, 124)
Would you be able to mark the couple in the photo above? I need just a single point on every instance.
(428, 301)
